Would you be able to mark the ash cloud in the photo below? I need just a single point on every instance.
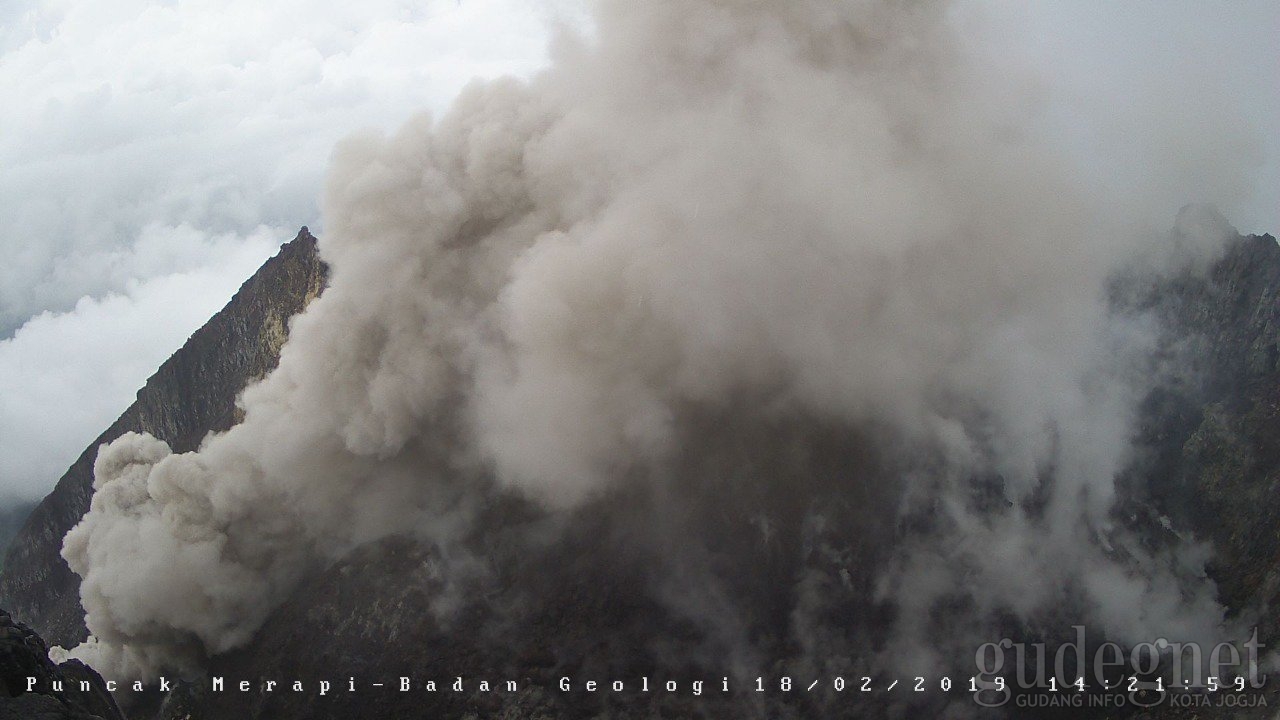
(798, 214)
(150, 144)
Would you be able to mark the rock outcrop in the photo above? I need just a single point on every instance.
(1225, 476)
(191, 394)
(70, 691)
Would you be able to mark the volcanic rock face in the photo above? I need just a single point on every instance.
(191, 394)
(1225, 470)
(70, 691)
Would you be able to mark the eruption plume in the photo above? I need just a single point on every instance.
(708, 219)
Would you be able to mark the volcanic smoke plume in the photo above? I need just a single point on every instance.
(837, 215)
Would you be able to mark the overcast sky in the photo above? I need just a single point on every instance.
(154, 152)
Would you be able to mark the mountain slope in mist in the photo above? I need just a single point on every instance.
(1215, 469)
(190, 395)
(11, 521)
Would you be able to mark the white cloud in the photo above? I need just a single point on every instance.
(1161, 93)
(219, 115)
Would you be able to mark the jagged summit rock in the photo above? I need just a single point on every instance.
(191, 394)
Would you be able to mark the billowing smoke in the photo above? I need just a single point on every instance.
(724, 214)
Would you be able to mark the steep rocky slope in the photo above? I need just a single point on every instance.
(1225, 477)
(12, 518)
(191, 394)
(1212, 464)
